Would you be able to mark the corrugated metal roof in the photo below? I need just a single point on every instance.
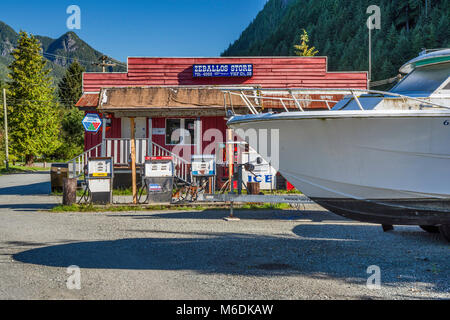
(88, 100)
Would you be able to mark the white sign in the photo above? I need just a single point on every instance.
(159, 131)
(263, 173)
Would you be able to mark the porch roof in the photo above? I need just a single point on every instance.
(142, 98)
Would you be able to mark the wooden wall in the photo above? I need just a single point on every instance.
(271, 72)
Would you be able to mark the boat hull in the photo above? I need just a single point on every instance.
(427, 212)
(380, 167)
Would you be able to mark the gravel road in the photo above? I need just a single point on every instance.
(310, 254)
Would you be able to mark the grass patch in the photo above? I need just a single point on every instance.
(265, 206)
(136, 208)
(121, 208)
(128, 192)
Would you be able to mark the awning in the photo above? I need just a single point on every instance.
(165, 101)
(88, 101)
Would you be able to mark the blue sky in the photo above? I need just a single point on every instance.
(166, 28)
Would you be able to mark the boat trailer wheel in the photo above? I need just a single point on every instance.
(445, 231)
(430, 229)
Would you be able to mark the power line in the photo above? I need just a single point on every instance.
(81, 60)
(104, 63)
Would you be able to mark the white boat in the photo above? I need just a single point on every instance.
(380, 157)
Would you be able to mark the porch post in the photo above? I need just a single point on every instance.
(198, 137)
(103, 136)
(230, 156)
(150, 138)
(133, 160)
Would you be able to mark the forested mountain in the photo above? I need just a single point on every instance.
(60, 52)
(261, 28)
(337, 28)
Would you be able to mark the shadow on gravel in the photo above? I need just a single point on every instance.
(260, 214)
(344, 255)
(28, 207)
(366, 232)
(42, 188)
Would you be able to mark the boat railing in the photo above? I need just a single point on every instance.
(301, 98)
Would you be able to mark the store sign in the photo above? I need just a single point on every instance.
(92, 122)
(223, 70)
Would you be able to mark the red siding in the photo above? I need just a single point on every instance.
(269, 72)
(161, 139)
(93, 139)
(281, 72)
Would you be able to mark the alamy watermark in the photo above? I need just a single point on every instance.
(374, 20)
(74, 20)
(265, 142)
(374, 280)
(74, 280)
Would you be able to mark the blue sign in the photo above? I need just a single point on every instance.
(223, 70)
(259, 178)
(92, 122)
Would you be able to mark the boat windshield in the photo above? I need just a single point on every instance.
(423, 81)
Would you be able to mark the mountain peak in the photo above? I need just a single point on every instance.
(60, 52)
(68, 42)
(8, 39)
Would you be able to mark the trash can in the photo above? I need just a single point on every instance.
(58, 172)
(253, 187)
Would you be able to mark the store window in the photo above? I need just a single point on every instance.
(180, 131)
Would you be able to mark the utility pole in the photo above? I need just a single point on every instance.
(133, 161)
(373, 22)
(6, 129)
(370, 57)
(104, 63)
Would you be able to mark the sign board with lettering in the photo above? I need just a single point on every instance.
(159, 131)
(92, 122)
(222, 70)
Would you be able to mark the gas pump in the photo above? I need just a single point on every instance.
(157, 178)
(100, 175)
(203, 170)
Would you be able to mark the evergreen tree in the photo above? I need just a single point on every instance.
(33, 111)
(69, 92)
(70, 86)
(303, 49)
(2, 131)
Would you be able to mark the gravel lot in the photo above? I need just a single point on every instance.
(291, 254)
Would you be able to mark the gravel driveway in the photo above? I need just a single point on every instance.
(309, 254)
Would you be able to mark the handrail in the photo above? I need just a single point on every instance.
(247, 94)
(80, 161)
(120, 152)
(85, 152)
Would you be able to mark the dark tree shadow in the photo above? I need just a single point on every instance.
(42, 188)
(28, 207)
(341, 256)
(245, 214)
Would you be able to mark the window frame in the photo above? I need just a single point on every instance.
(182, 126)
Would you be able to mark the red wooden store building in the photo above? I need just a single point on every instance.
(151, 89)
